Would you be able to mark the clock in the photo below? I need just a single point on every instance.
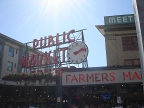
(77, 52)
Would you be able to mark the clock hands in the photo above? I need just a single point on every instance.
(82, 49)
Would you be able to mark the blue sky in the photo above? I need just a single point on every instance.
(25, 20)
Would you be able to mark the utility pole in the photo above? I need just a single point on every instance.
(138, 6)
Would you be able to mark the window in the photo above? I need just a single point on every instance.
(129, 43)
(132, 62)
(9, 66)
(11, 51)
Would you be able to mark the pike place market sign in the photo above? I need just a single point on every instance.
(76, 52)
(119, 19)
(102, 77)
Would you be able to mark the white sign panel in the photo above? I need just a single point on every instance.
(101, 77)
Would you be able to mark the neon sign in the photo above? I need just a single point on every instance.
(53, 40)
(49, 57)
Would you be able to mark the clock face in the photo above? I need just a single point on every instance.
(77, 52)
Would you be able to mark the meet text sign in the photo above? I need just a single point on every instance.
(119, 19)
(102, 77)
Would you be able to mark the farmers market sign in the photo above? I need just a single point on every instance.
(102, 77)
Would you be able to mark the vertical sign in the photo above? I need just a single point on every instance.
(139, 21)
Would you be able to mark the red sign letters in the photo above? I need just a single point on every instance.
(101, 77)
(49, 57)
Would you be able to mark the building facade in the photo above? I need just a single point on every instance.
(11, 53)
(120, 40)
(16, 93)
(122, 51)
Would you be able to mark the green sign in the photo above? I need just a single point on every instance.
(119, 19)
